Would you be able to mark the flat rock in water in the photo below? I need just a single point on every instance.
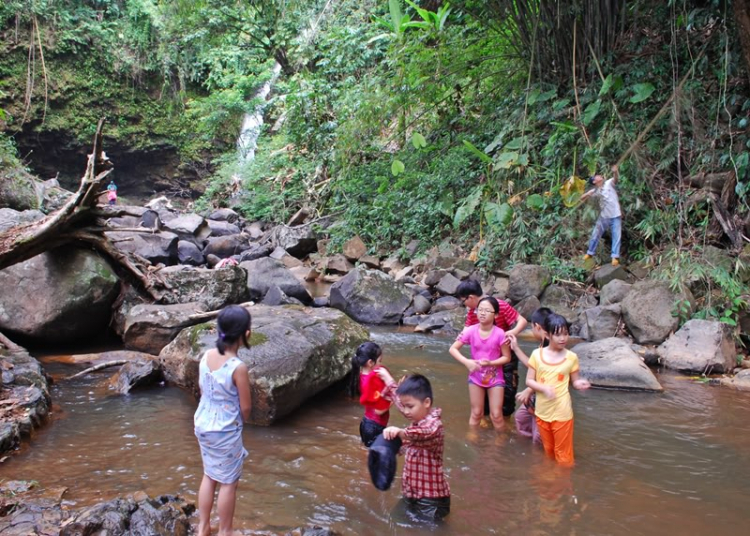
(611, 363)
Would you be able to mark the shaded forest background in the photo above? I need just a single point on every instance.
(429, 120)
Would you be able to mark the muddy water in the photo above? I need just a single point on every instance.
(667, 463)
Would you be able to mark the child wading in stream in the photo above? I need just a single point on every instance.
(374, 385)
(551, 371)
(488, 355)
(223, 408)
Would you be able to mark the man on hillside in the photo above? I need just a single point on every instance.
(610, 215)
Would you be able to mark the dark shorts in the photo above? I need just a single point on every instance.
(369, 431)
(428, 509)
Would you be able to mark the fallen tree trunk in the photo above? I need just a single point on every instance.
(100, 366)
(77, 221)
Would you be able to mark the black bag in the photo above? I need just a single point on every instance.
(381, 461)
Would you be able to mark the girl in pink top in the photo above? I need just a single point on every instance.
(488, 355)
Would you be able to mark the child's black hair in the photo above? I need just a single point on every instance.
(365, 352)
(417, 386)
(469, 287)
(233, 324)
(540, 316)
(492, 301)
(556, 324)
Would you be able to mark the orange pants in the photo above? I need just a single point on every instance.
(557, 438)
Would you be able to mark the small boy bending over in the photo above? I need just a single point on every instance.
(424, 486)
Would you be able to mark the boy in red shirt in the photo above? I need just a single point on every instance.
(507, 319)
(426, 491)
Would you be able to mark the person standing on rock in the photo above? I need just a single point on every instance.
(610, 215)
(223, 408)
(507, 319)
(112, 193)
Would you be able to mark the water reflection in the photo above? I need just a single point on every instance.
(646, 463)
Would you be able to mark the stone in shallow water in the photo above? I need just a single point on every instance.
(612, 363)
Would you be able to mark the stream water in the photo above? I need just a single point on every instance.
(671, 463)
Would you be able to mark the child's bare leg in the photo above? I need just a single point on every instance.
(496, 407)
(227, 499)
(205, 504)
(476, 399)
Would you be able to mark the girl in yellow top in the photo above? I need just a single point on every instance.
(551, 371)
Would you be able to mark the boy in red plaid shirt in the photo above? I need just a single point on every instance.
(424, 486)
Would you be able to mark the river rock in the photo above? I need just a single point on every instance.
(614, 292)
(222, 228)
(421, 304)
(527, 280)
(295, 353)
(648, 310)
(224, 214)
(158, 247)
(391, 265)
(264, 273)
(189, 227)
(370, 296)
(339, 264)
(608, 273)
(25, 397)
(449, 322)
(557, 298)
(298, 241)
(276, 296)
(612, 364)
(141, 373)
(370, 261)
(213, 288)
(448, 285)
(256, 251)
(527, 306)
(226, 246)
(433, 277)
(149, 328)
(10, 218)
(740, 381)
(190, 254)
(18, 190)
(60, 295)
(703, 346)
(446, 303)
(354, 249)
(602, 322)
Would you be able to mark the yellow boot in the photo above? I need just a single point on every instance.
(615, 262)
(586, 257)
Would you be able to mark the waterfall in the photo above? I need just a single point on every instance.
(247, 141)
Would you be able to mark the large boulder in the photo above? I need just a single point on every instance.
(19, 190)
(650, 309)
(25, 397)
(10, 218)
(297, 241)
(213, 288)
(602, 322)
(612, 364)
(614, 292)
(527, 280)
(149, 328)
(141, 373)
(448, 322)
(264, 273)
(58, 296)
(354, 249)
(295, 352)
(703, 346)
(157, 247)
(222, 228)
(189, 227)
(608, 273)
(560, 300)
(226, 246)
(189, 253)
(370, 296)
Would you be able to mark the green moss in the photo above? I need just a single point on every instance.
(194, 336)
(257, 338)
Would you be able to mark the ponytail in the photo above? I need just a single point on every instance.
(367, 351)
(233, 324)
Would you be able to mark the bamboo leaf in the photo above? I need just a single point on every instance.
(468, 206)
(498, 216)
(591, 112)
(482, 156)
(535, 201)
